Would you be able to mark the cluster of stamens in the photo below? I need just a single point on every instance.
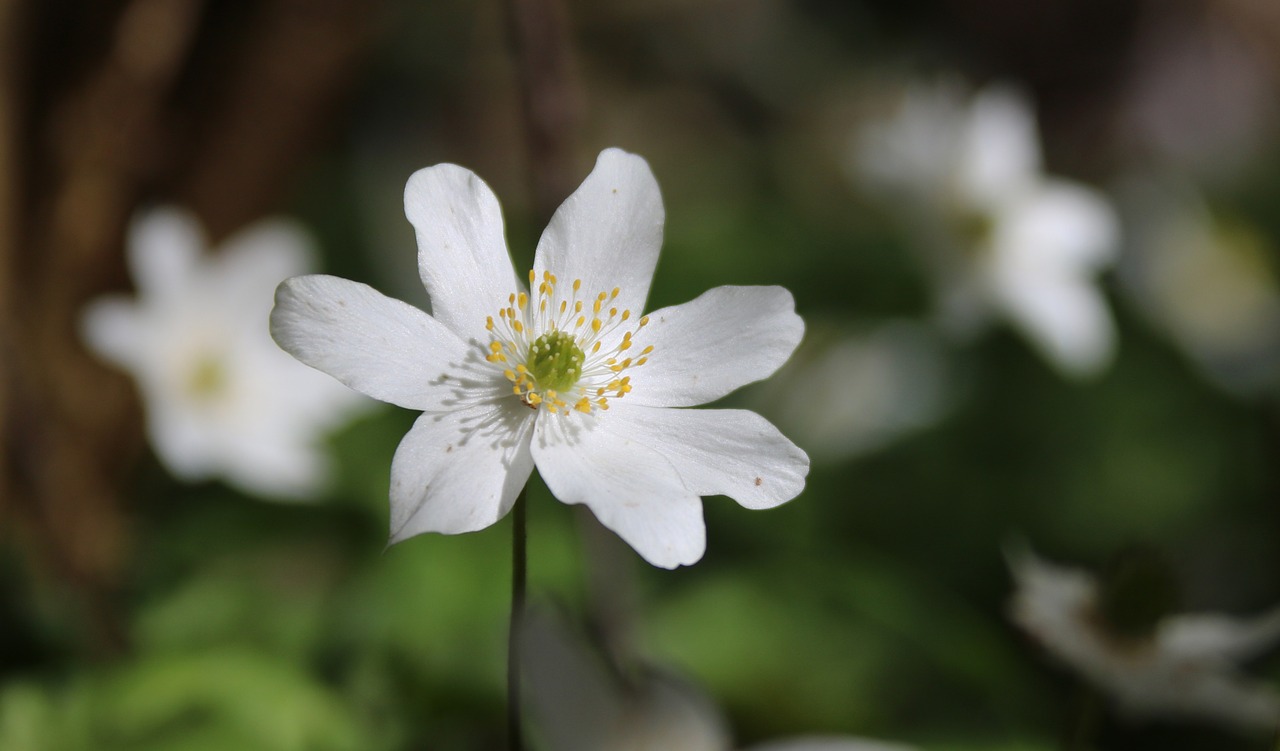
(552, 347)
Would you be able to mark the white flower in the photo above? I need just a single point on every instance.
(580, 702)
(1001, 237)
(565, 375)
(221, 399)
(1186, 666)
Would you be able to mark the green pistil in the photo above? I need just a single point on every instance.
(555, 361)
(208, 378)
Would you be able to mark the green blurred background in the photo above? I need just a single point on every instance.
(137, 612)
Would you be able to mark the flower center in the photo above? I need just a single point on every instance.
(561, 350)
(555, 360)
(207, 379)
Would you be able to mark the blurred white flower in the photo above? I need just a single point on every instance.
(999, 236)
(221, 399)
(578, 701)
(847, 395)
(1208, 284)
(1185, 666)
(561, 374)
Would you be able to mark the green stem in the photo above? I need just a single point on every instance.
(519, 578)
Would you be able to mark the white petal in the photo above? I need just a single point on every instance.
(1060, 225)
(630, 488)
(1219, 637)
(376, 345)
(1065, 317)
(164, 245)
(113, 329)
(729, 452)
(722, 340)
(1000, 153)
(460, 471)
(608, 233)
(256, 259)
(462, 255)
(275, 467)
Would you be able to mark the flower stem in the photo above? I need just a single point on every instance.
(519, 577)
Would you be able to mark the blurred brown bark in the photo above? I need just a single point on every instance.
(86, 134)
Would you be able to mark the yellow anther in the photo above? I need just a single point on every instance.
(615, 292)
(577, 284)
(551, 394)
(577, 307)
(626, 345)
(515, 389)
(647, 350)
(601, 297)
(610, 361)
(495, 347)
(522, 300)
(626, 314)
(641, 361)
(519, 327)
(596, 324)
(613, 312)
(644, 321)
(511, 298)
(532, 276)
(543, 306)
(534, 399)
(502, 313)
(600, 391)
(581, 320)
(603, 402)
(510, 374)
(521, 369)
(595, 307)
(583, 406)
(564, 304)
(488, 323)
(595, 348)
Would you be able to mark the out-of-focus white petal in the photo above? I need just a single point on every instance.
(608, 233)
(460, 471)
(722, 340)
(276, 467)
(853, 395)
(832, 743)
(1059, 226)
(113, 329)
(163, 247)
(462, 254)
(999, 155)
(729, 452)
(255, 260)
(376, 345)
(631, 488)
(1064, 316)
(1210, 637)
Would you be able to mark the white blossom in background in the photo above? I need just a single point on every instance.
(999, 237)
(580, 702)
(565, 373)
(1187, 667)
(221, 399)
(1208, 284)
(846, 395)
